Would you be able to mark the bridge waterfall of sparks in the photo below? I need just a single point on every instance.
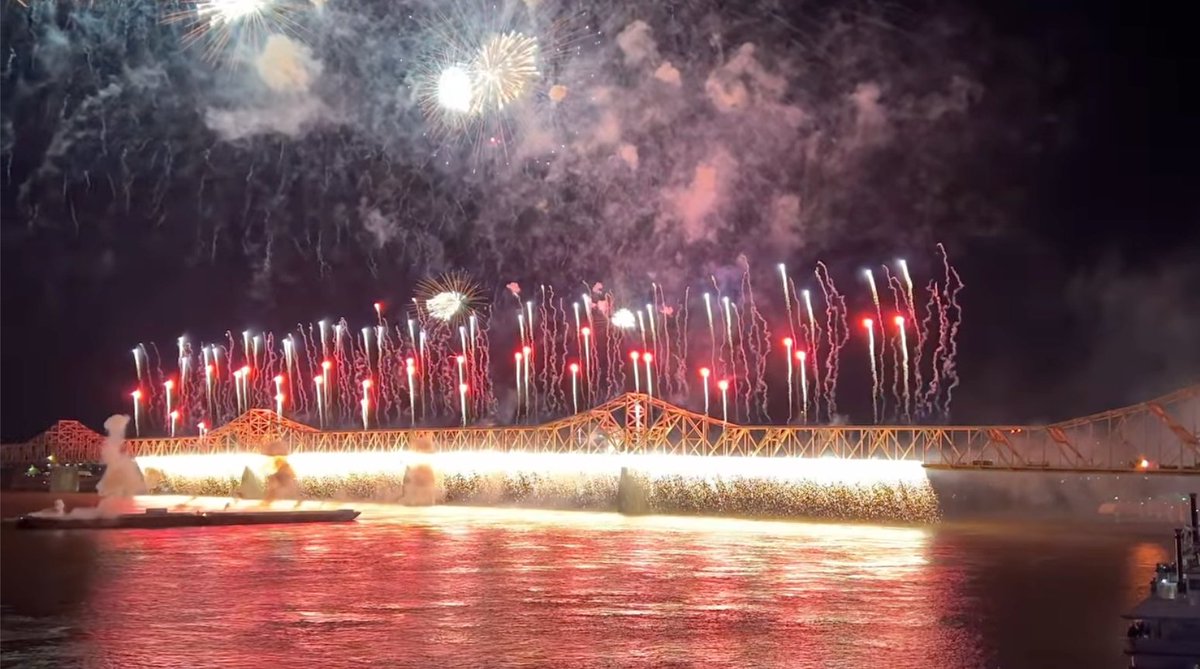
(676, 460)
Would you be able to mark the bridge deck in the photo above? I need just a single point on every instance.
(1157, 437)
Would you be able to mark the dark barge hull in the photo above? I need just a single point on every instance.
(155, 521)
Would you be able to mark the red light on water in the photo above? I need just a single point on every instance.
(634, 355)
(787, 341)
(704, 372)
(868, 323)
(574, 368)
(647, 357)
(723, 384)
(585, 330)
(899, 320)
(325, 364)
(366, 383)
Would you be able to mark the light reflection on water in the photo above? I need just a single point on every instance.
(496, 587)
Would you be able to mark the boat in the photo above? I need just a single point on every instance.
(154, 519)
(1164, 629)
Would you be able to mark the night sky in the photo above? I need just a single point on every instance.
(1051, 147)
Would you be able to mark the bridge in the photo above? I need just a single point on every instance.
(1154, 437)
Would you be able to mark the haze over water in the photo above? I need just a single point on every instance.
(495, 587)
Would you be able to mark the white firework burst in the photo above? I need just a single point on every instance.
(446, 306)
(623, 319)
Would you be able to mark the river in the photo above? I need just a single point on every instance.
(481, 587)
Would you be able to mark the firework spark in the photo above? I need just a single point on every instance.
(503, 71)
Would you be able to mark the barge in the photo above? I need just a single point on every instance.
(1164, 632)
(154, 519)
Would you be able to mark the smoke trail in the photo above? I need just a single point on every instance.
(936, 308)
(837, 331)
(760, 344)
(954, 286)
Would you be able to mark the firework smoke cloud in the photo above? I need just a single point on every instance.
(608, 141)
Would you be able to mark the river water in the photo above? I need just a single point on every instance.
(463, 587)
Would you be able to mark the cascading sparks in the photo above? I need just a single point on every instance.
(878, 490)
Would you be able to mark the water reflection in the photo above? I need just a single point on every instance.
(494, 587)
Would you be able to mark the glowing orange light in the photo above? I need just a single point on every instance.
(246, 369)
(325, 364)
(723, 384)
(800, 355)
(462, 388)
(279, 378)
(704, 371)
(526, 350)
(899, 320)
(137, 394)
(1144, 463)
(517, 355)
(169, 384)
(409, 362)
(366, 383)
(585, 330)
(647, 357)
(574, 368)
(867, 323)
(460, 359)
(208, 368)
(787, 341)
(378, 306)
(175, 414)
(202, 426)
(318, 380)
(634, 355)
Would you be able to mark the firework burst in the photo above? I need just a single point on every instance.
(217, 24)
(504, 70)
(449, 298)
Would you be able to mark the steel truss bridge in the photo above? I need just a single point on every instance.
(1158, 436)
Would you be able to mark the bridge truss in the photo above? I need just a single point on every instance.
(1158, 436)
